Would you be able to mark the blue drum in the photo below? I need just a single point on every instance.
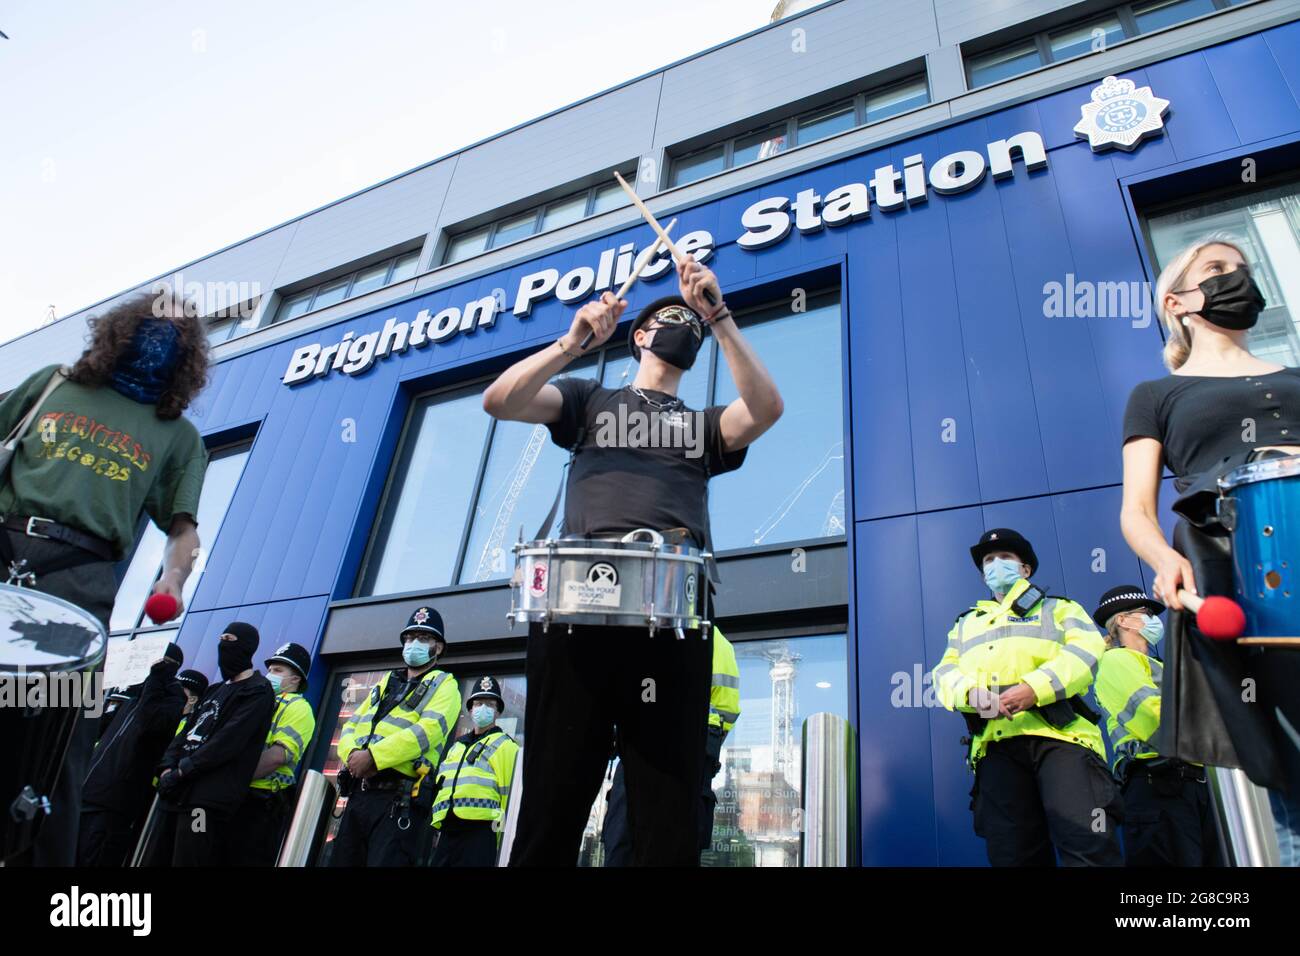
(1259, 504)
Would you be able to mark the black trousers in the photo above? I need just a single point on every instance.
(1036, 795)
(201, 839)
(257, 829)
(372, 834)
(466, 843)
(616, 837)
(162, 838)
(106, 837)
(91, 584)
(580, 685)
(1168, 822)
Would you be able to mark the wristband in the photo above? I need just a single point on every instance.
(717, 313)
(560, 343)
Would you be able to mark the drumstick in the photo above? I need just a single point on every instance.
(663, 234)
(622, 290)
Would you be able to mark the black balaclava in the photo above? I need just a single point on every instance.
(1232, 301)
(235, 657)
(173, 658)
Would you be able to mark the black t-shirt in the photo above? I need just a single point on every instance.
(638, 466)
(1201, 420)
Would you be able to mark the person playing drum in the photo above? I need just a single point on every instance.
(1219, 408)
(656, 689)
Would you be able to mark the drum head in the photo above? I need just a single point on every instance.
(41, 632)
(1265, 469)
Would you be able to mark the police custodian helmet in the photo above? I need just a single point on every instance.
(1004, 539)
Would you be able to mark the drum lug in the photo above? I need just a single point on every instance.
(681, 635)
(1227, 511)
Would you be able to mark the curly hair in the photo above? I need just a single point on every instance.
(111, 334)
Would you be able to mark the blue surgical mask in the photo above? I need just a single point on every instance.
(1153, 629)
(276, 680)
(1001, 574)
(483, 715)
(145, 368)
(415, 653)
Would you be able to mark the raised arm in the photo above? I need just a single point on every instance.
(1141, 526)
(521, 392)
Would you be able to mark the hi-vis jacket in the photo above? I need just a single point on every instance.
(1055, 649)
(724, 695)
(411, 734)
(292, 728)
(1128, 689)
(474, 778)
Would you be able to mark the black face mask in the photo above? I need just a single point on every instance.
(233, 659)
(676, 344)
(1232, 301)
(165, 668)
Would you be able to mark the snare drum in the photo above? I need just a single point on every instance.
(638, 580)
(1260, 505)
(49, 652)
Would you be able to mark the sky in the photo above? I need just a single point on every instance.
(139, 135)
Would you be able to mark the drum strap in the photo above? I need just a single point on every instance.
(549, 520)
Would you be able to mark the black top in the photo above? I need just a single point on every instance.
(218, 748)
(619, 480)
(124, 760)
(1201, 420)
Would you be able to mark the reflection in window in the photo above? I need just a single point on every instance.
(523, 471)
(897, 100)
(219, 481)
(1085, 38)
(425, 514)
(1266, 224)
(792, 483)
(1000, 64)
(706, 162)
(1165, 13)
(825, 123)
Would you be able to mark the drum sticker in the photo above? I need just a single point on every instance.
(538, 583)
(690, 594)
(601, 589)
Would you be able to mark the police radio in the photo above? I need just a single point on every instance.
(1028, 598)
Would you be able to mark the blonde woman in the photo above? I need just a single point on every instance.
(1219, 407)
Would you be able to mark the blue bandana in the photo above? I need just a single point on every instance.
(145, 368)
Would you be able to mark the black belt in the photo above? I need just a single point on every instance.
(387, 780)
(1155, 767)
(51, 530)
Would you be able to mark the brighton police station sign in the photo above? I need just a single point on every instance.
(1118, 115)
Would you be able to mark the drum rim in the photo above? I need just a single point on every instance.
(614, 549)
(1250, 473)
(89, 662)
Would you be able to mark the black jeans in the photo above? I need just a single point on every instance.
(258, 827)
(1035, 793)
(372, 834)
(106, 837)
(580, 685)
(91, 584)
(202, 837)
(1168, 822)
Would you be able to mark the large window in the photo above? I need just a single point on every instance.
(464, 485)
(539, 218)
(1266, 224)
(341, 288)
(799, 130)
(1085, 36)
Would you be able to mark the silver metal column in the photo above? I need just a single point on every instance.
(513, 803)
(1246, 829)
(146, 831)
(316, 800)
(830, 792)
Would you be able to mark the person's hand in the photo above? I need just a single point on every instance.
(361, 764)
(694, 280)
(167, 585)
(985, 702)
(599, 317)
(1173, 571)
(1016, 699)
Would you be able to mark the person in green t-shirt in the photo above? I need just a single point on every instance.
(107, 444)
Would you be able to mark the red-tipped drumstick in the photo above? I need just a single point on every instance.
(160, 608)
(1220, 618)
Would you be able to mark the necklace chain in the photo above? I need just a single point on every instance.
(671, 403)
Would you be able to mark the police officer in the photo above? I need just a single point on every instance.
(388, 746)
(1168, 820)
(195, 685)
(117, 789)
(474, 784)
(724, 711)
(1016, 667)
(261, 819)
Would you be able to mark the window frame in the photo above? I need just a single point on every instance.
(350, 278)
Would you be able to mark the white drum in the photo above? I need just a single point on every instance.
(638, 580)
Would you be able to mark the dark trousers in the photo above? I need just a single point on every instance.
(1033, 794)
(580, 685)
(257, 829)
(162, 838)
(466, 843)
(106, 837)
(1168, 821)
(615, 835)
(371, 832)
(202, 839)
(91, 585)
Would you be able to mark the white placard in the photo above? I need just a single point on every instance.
(128, 661)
